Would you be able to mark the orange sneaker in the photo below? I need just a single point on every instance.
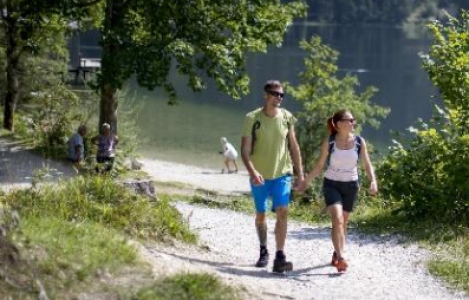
(334, 259)
(341, 265)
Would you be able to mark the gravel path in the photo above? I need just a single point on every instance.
(18, 165)
(380, 268)
(235, 183)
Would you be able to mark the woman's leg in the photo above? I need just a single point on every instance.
(337, 234)
(346, 218)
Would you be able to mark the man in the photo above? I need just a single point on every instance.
(76, 146)
(268, 148)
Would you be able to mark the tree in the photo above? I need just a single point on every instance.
(27, 25)
(427, 174)
(321, 93)
(200, 39)
(447, 64)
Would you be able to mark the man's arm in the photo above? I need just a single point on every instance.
(295, 153)
(246, 144)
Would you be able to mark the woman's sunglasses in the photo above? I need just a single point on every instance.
(351, 121)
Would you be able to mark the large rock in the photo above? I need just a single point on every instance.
(142, 187)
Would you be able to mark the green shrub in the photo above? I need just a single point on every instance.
(429, 176)
(99, 199)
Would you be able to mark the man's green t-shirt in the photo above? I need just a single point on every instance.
(270, 156)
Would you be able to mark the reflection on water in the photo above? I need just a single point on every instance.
(381, 56)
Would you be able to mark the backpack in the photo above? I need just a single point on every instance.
(358, 146)
(257, 125)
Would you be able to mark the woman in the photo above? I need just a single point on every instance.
(106, 142)
(341, 152)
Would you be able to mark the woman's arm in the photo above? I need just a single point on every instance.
(319, 165)
(368, 167)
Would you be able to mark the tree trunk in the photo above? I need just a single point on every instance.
(12, 84)
(108, 106)
(111, 79)
(11, 96)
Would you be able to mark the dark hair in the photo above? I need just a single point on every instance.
(270, 84)
(336, 117)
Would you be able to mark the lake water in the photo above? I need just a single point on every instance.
(385, 57)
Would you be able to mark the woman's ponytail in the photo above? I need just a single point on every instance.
(331, 126)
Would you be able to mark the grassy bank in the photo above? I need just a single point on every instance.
(72, 240)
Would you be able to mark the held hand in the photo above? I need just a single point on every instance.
(257, 179)
(301, 186)
(297, 183)
(373, 188)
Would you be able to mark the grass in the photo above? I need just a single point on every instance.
(72, 234)
(71, 254)
(98, 199)
(188, 287)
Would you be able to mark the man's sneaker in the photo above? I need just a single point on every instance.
(335, 259)
(341, 265)
(281, 265)
(263, 258)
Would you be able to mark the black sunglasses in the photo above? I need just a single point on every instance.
(351, 121)
(275, 94)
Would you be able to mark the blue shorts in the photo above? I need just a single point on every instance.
(279, 189)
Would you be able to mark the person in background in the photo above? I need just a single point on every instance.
(269, 147)
(76, 146)
(107, 142)
(230, 154)
(341, 151)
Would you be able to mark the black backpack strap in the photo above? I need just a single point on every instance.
(331, 148)
(358, 145)
(255, 126)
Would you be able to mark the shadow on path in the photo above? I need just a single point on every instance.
(252, 271)
(18, 164)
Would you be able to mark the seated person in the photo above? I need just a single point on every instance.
(76, 146)
(106, 142)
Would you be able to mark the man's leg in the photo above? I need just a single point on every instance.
(281, 197)
(281, 227)
(261, 228)
(260, 194)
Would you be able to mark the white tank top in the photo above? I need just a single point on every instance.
(343, 165)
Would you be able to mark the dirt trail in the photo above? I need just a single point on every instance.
(18, 165)
(380, 267)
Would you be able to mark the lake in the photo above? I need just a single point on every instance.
(385, 57)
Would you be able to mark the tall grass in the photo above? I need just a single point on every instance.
(99, 200)
(188, 287)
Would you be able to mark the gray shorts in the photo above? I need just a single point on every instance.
(338, 192)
